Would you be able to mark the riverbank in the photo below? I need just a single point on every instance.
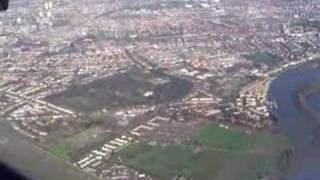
(304, 96)
(299, 125)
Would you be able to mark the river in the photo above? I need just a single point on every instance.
(301, 127)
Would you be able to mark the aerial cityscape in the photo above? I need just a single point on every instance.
(161, 89)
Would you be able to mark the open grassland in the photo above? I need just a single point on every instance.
(60, 150)
(76, 145)
(213, 153)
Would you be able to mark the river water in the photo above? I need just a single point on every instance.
(300, 126)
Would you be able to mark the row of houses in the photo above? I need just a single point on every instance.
(148, 126)
(121, 172)
(94, 160)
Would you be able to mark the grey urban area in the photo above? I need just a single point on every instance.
(149, 89)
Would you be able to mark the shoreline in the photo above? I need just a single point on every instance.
(293, 116)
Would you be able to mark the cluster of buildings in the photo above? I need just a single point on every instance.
(203, 41)
(251, 107)
(92, 161)
(148, 126)
(34, 121)
(253, 104)
(198, 104)
(28, 114)
(121, 172)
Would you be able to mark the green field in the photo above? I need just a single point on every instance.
(216, 137)
(60, 150)
(72, 147)
(213, 153)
